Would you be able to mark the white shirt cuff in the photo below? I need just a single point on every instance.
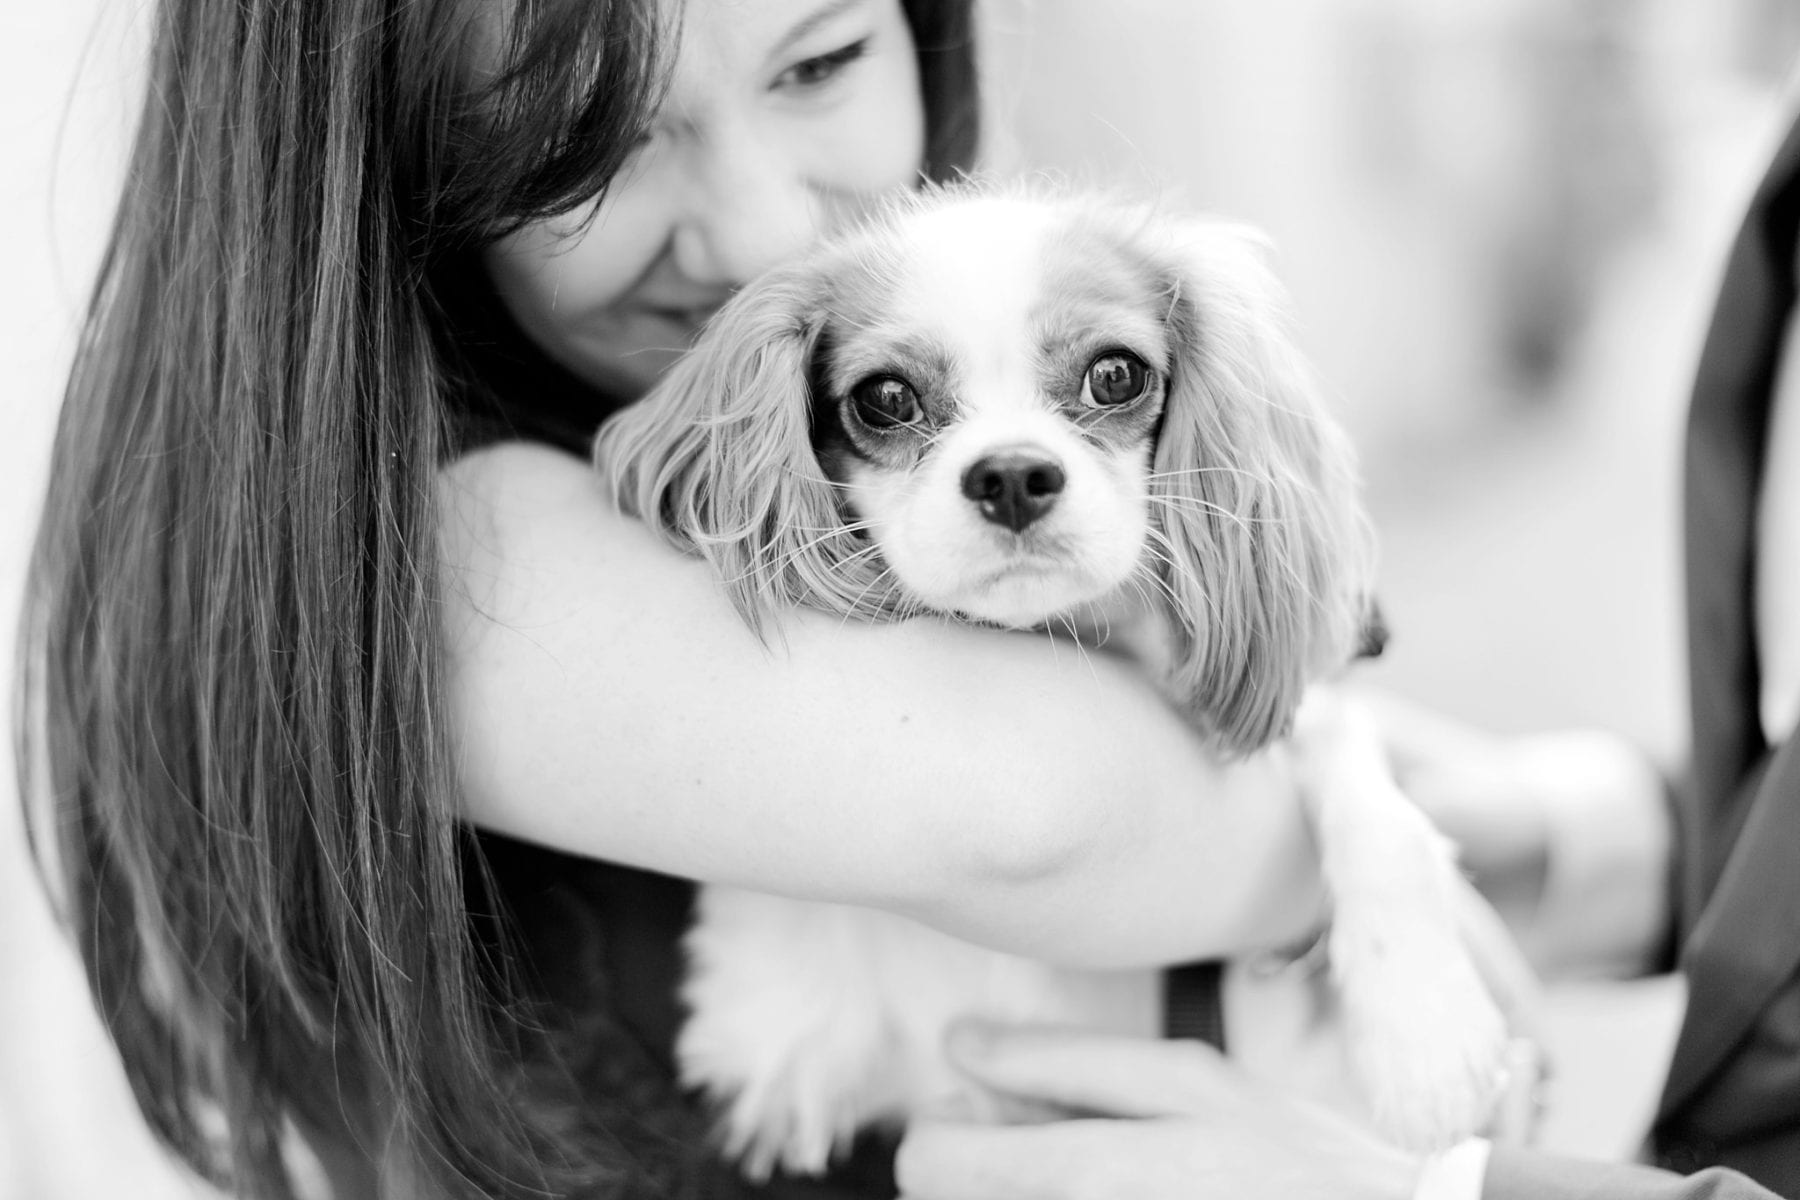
(1456, 1173)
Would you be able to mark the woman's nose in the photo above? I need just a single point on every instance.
(749, 207)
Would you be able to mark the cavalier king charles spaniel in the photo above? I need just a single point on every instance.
(1040, 410)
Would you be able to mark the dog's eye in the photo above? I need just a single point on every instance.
(1116, 377)
(884, 401)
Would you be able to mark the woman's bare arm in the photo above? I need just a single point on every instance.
(1012, 791)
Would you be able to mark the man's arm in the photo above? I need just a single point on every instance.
(1522, 1175)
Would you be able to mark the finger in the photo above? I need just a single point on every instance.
(948, 1161)
(1094, 1073)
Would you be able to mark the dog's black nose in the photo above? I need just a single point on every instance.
(1013, 487)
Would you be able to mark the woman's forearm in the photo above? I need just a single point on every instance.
(1016, 792)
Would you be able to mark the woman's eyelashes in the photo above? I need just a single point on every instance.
(820, 70)
(814, 74)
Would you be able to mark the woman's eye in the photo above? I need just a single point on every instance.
(642, 144)
(1116, 377)
(821, 68)
(885, 401)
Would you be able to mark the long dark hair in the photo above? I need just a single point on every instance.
(231, 726)
(944, 32)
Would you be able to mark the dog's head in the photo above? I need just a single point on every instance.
(1008, 407)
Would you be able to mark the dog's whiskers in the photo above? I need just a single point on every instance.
(1175, 503)
(1136, 583)
(1106, 628)
(1258, 476)
(851, 485)
(1176, 499)
(1081, 649)
(1162, 586)
(860, 606)
(769, 570)
(857, 526)
(847, 563)
(1159, 548)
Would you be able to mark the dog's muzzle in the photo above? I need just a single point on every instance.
(1014, 486)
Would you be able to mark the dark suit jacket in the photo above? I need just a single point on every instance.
(1733, 1095)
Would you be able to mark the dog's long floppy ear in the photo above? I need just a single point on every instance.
(718, 458)
(1267, 555)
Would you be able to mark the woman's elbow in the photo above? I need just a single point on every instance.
(1030, 838)
(1030, 827)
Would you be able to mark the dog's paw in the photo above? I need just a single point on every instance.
(791, 1059)
(1427, 1041)
(791, 1102)
(787, 1124)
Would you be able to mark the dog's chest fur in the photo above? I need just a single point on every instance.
(815, 1020)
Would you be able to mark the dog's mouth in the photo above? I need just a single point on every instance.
(1031, 587)
(1026, 563)
(1016, 573)
(1039, 550)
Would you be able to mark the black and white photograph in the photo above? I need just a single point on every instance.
(900, 600)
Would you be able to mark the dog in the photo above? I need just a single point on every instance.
(1037, 409)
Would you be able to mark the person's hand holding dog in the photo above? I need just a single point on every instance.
(1155, 1121)
(1176, 1120)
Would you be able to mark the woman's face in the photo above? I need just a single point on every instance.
(783, 118)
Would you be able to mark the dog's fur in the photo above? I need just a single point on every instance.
(1200, 504)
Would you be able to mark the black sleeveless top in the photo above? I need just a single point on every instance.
(599, 943)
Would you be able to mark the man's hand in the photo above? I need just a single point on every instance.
(1150, 1121)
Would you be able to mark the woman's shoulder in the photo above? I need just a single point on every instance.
(514, 462)
(525, 502)
(501, 483)
(523, 527)
(529, 538)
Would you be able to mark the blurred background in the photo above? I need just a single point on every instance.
(1502, 221)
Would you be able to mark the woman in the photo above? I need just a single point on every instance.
(328, 629)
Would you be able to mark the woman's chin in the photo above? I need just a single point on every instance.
(626, 374)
